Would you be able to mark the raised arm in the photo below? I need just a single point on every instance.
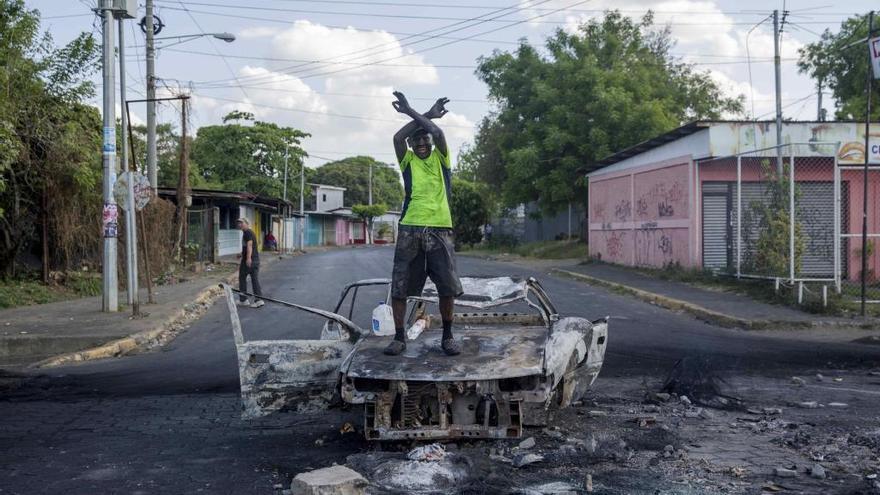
(419, 120)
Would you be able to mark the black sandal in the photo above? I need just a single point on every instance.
(395, 348)
(451, 347)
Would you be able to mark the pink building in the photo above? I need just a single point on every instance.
(670, 200)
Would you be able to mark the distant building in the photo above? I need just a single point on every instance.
(213, 214)
(328, 198)
(673, 198)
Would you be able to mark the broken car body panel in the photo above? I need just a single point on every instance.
(513, 369)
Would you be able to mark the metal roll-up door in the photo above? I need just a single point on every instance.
(815, 214)
(715, 225)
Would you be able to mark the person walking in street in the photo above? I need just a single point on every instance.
(250, 265)
(425, 242)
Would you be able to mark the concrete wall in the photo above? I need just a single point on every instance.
(642, 216)
(327, 199)
(229, 241)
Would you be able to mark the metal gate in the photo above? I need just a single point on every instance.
(774, 213)
(716, 223)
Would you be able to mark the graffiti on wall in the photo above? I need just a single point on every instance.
(660, 247)
(614, 245)
(623, 210)
(666, 198)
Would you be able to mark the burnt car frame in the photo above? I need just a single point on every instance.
(514, 369)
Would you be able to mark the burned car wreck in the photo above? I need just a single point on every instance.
(515, 366)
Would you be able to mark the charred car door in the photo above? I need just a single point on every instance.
(289, 375)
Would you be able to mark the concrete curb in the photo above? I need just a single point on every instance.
(120, 347)
(701, 313)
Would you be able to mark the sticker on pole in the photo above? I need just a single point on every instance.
(110, 220)
(109, 147)
(142, 190)
(874, 47)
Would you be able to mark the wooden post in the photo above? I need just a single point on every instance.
(182, 185)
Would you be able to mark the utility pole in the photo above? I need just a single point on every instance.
(870, 85)
(183, 182)
(152, 174)
(370, 186)
(820, 113)
(302, 203)
(284, 218)
(777, 67)
(110, 299)
(131, 270)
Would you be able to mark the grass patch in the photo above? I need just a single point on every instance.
(28, 292)
(548, 250)
(760, 290)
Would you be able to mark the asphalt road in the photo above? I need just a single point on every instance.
(167, 421)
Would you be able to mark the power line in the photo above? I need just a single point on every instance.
(226, 62)
(472, 6)
(314, 112)
(274, 59)
(446, 18)
(353, 95)
(398, 43)
(288, 22)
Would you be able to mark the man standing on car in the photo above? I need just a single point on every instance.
(424, 242)
(250, 265)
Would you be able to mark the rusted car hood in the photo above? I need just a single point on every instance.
(488, 353)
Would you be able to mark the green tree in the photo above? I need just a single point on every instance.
(470, 209)
(835, 63)
(367, 213)
(247, 154)
(610, 85)
(353, 174)
(49, 139)
(167, 155)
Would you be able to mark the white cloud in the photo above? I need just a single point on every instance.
(284, 92)
(258, 32)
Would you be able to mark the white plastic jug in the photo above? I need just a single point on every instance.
(383, 320)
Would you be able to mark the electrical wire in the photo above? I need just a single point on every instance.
(331, 26)
(399, 44)
(439, 18)
(314, 112)
(323, 74)
(352, 95)
(226, 62)
(273, 59)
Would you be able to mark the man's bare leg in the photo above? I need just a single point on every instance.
(398, 345)
(450, 345)
(398, 308)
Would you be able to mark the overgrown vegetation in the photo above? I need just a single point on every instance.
(50, 164)
(772, 220)
(549, 250)
(27, 291)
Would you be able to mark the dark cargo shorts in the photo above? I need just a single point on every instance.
(423, 252)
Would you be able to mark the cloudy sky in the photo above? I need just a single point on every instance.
(329, 67)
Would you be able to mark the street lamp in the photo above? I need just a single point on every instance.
(227, 37)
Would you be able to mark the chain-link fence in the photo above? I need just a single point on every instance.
(854, 186)
(774, 213)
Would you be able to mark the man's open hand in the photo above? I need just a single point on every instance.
(401, 105)
(439, 109)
